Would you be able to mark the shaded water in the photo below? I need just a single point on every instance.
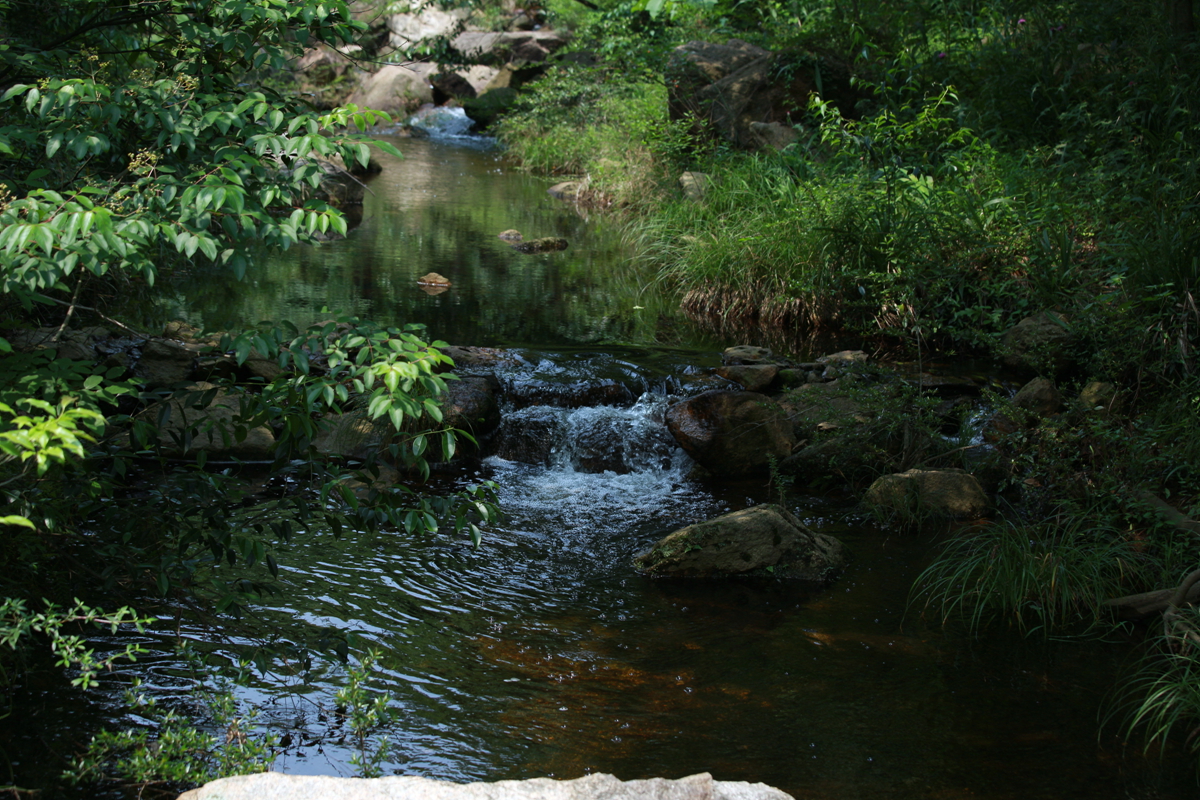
(543, 652)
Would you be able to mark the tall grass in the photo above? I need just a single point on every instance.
(1049, 577)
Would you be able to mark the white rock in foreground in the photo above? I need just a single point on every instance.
(276, 786)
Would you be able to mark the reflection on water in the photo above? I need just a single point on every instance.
(440, 209)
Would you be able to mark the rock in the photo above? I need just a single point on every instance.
(511, 235)
(164, 363)
(78, 344)
(1042, 342)
(451, 85)
(566, 393)
(259, 369)
(352, 435)
(489, 105)
(771, 135)
(840, 454)
(695, 65)
(598, 786)
(338, 186)
(1099, 397)
(567, 190)
(747, 95)
(469, 357)
(815, 407)
(547, 244)
(844, 357)
(529, 434)
(470, 404)
(731, 433)
(746, 354)
(695, 185)
(433, 279)
(484, 47)
(213, 428)
(764, 539)
(921, 494)
(752, 378)
(1039, 397)
(406, 30)
(395, 89)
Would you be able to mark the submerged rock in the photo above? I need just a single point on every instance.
(731, 433)
(511, 235)
(763, 540)
(547, 244)
(598, 786)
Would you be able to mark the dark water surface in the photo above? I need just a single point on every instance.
(543, 652)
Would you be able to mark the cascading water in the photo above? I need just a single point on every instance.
(447, 123)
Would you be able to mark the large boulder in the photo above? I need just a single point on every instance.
(921, 494)
(498, 48)
(731, 433)
(1042, 343)
(597, 786)
(395, 89)
(762, 540)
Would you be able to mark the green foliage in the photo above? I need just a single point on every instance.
(364, 716)
(17, 622)
(177, 751)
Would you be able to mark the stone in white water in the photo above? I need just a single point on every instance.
(276, 786)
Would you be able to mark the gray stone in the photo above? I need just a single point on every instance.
(921, 494)
(752, 378)
(771, 135)
(406, 30)
(746, 354)
(75, 344)
(731, 433)
(1041, 343)
(1039, 397)
(598, 786)
(764, 539)
(395, 89)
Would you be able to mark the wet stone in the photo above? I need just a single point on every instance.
(529, 435)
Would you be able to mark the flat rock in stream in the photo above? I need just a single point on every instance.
(762, 540)
(598, 786)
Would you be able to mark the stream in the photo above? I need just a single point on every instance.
(543, 653)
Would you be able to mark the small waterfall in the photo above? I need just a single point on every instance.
(594, 468)
(447, 123)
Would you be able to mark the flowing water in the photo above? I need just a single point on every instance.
(543, 653)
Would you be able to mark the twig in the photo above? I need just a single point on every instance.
(70, 310)
(102, 316)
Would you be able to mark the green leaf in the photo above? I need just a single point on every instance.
(13, 519)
